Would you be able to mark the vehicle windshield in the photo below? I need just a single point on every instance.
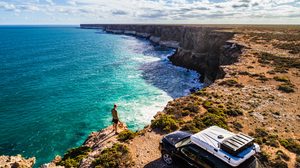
(183, 142)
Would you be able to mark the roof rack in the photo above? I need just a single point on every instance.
(232, 148)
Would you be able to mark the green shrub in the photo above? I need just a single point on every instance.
(273, 143)
(243, 73)
(213, 119)
(191, 127)
(217, 111)
(186, 113)
(254, 75)
(258, 141)
(260, 132)
(263, 78)
(165, 122)
(279, 164)
(283, 79)
(201, 93)
(273, 136)
(237, 126)
(116, 156)
(250, 66)
(127, 135)
(234, 73)
(233, 111)
(74, 155)
(207, 104)
(280, 154)
(298, 159)
(265, 156)
(192, 107)
(229, 82)
(239, 85)
(286, 88)
(290, 145)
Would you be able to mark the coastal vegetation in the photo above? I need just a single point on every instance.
(127, 135)
(74, 155)
(113, 157)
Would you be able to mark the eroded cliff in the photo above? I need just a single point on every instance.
(202, 49)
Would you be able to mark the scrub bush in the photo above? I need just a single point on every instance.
(280, 164)
(237, 126)
(207, 104)
(280, 154)
(126, 135)
(186, 113)
(74, 156)
(290, 145)
(229, 82)
(165, 122)
(283, 79)
(286, 88)
(116, 156)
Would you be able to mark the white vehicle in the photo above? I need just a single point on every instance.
(213, 147)
(232, 148)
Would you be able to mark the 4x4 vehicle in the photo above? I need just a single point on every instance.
(213, 147)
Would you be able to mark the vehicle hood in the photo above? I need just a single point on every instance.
(176, 136)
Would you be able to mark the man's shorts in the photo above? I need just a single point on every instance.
(115, 121)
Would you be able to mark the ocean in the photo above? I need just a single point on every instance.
(58, 84)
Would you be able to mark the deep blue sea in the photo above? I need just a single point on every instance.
(58, 84)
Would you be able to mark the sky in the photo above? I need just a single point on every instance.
(75, 12)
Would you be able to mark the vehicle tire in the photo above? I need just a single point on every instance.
(167, 158)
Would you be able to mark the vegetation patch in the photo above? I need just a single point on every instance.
(279, 164)
(127, 135)
(290, 145)
(231, 82)
(237, 126)
(74, 155)
(293, 47)
(280, 154)
(116, 156)
(283, 79)
(287, 87)
(165, 122)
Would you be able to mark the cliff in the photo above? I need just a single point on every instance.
(202, 49)
(16, 161)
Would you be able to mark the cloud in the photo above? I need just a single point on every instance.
(202, 8)
(154, 15)
(255, 4)
(50, 1)
(72, 3)
(240, 6)
(282, 1)
(219, 6)
(7, 6)
(245, 1)
(119, 12)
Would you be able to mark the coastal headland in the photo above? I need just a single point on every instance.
(251, 76)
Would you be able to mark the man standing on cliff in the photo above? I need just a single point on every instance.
(115, 120)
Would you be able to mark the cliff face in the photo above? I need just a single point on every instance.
(199, 48)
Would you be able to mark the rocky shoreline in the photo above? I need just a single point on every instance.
(202, 49)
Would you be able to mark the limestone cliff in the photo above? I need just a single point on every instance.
(202, 49)
(16, 162)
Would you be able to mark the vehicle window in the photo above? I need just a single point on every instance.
(183, 142)
(190, 152)
(203, 161)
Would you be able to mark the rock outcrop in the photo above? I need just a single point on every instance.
(16, 162)
(202, 49)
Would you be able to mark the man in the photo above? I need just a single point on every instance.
(115, 120)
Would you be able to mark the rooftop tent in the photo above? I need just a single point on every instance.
(232, 148)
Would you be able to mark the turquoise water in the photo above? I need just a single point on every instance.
(58, 84)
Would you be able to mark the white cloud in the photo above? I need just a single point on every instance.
(282, 1)
(72, 3)
(7, 6)
(50, 1)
